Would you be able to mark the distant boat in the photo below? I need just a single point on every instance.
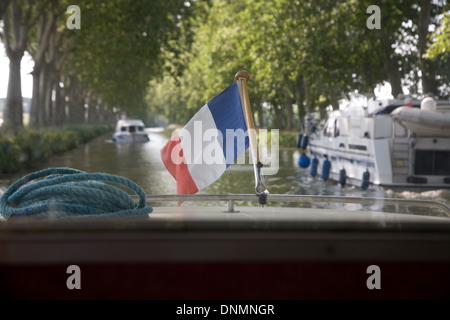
(130, 131)
(385, 143)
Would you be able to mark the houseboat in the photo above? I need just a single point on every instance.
(130, 131)
(385, 143)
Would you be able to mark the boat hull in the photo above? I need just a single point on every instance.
(393, 171)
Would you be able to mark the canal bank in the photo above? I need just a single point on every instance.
(26, 148)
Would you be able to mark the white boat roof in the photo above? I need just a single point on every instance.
(131, 122)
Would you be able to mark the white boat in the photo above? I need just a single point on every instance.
(130, 131)
(385, 144)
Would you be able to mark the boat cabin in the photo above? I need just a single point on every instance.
(130, 131)
(130, 126)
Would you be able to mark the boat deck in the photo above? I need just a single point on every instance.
(206, 252)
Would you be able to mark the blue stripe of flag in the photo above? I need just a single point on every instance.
(227, 113)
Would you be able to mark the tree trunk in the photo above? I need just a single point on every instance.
(260, 115)
(13, 110)
(48, 95)
(290, 113)
(333, 97)
(34, 108)
(14, 36)
(391, 65)
(429, 85)
(307, 95)
(42, 96)
(299, 92)
(91, 108)
(46, 27)
(59, 105)
(76, 102)
(393, 73)
(279, 117)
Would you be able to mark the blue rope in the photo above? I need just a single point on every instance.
(66, 192)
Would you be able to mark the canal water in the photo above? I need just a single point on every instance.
(142, 164)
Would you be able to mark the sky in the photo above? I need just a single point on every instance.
(27, 79)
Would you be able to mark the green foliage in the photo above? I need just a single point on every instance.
(163, 60)
(288, 138)
(120, 46)
(301, 55)
(439, 52)
(441, 44)
(9, 154)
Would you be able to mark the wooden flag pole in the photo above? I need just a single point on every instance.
(242, 77)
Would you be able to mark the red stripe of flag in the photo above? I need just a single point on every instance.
(178, 170)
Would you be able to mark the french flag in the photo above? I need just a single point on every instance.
(214, 138)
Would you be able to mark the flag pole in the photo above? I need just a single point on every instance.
(261, 191)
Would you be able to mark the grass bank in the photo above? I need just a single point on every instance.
(29, 146)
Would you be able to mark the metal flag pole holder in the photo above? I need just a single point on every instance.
(260, 188)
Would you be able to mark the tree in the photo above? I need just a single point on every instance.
(119, 47)
(438, 52)
(16, 19)
(302, 56)
(43, 46)
(3, 5)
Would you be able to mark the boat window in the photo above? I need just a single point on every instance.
(336, 128)
(123, 129)
(432, 162)
(357, 147)
(132, 129)
(140, 128)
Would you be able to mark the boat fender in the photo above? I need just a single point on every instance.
(365, 180)
(314, 165)
(303, 161)
(299, 140)
(326, 169)
(305, 141)
(342, 177)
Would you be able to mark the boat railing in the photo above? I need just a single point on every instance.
(232, 198)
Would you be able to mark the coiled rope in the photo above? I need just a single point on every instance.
(67, 192)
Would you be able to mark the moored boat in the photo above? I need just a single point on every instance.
(385, 143)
